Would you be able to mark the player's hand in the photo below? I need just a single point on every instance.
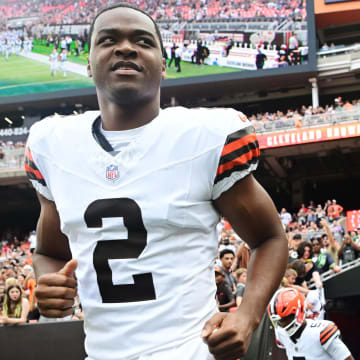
(55, 292)
(228, 335)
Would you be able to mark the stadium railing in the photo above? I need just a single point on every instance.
(328, 275)
(339, 116)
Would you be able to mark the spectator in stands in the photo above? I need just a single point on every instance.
(242, 257)
(285, 217)
(15, 306)
(338, 231)
(302, 214)
(325, 47)
(295, 241)
(32, 240)
(334, 211)
(225, 244)
(227, 258)
(349, 250)
(305, 255)
(224, 295)
(319, 213)
(241, 275)
(322, 261)
(328, 243)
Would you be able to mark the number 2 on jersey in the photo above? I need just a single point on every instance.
(130, 248)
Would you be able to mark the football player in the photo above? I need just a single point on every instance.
(304, 338)
(130, 198)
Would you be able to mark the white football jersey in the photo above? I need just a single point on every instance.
(315, 343)
(141, 224)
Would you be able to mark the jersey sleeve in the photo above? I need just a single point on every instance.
(338, 350)
(239, 156)
(33, 166)
(328, 334)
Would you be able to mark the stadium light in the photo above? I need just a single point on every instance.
(8, 120)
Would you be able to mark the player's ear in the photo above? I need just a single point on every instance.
(163, 69)
(88, 68)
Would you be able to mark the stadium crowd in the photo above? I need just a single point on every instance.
(81, 12)
(304, 116)
(317, 243)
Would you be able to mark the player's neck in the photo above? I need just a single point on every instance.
(116, 117)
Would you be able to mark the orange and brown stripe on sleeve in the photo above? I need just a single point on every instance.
(31, 169)
(240, 151)
(327, 333)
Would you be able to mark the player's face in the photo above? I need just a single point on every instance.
(286, 320)
(125, 58)
(227, 260)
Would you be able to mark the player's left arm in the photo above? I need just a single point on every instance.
(252, 214)
(333, 345)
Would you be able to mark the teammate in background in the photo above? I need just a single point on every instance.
(130, 198)
(18, 45)
(53, 58)
(7, 49)
(62, 62)
(304, 338)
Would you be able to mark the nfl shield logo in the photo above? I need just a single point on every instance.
(112, 172)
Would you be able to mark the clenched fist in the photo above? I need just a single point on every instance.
(55, 292)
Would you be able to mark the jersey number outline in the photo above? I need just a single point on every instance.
(130, 248)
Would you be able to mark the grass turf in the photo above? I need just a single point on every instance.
(187, 69)
(20, 76)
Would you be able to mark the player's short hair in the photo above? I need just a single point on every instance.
(129, 6)
(226, 251)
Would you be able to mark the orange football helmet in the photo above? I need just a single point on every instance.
(287, 302)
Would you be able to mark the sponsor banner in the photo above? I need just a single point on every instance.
(310, 135)
(353, 220)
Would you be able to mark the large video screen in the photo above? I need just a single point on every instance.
(43, 47)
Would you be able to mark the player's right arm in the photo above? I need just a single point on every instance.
(54, 269)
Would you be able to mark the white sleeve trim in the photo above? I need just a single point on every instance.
(43, 190)
(226, 183)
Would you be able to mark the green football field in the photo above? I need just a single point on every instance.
(187, 69)
(21, 76)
